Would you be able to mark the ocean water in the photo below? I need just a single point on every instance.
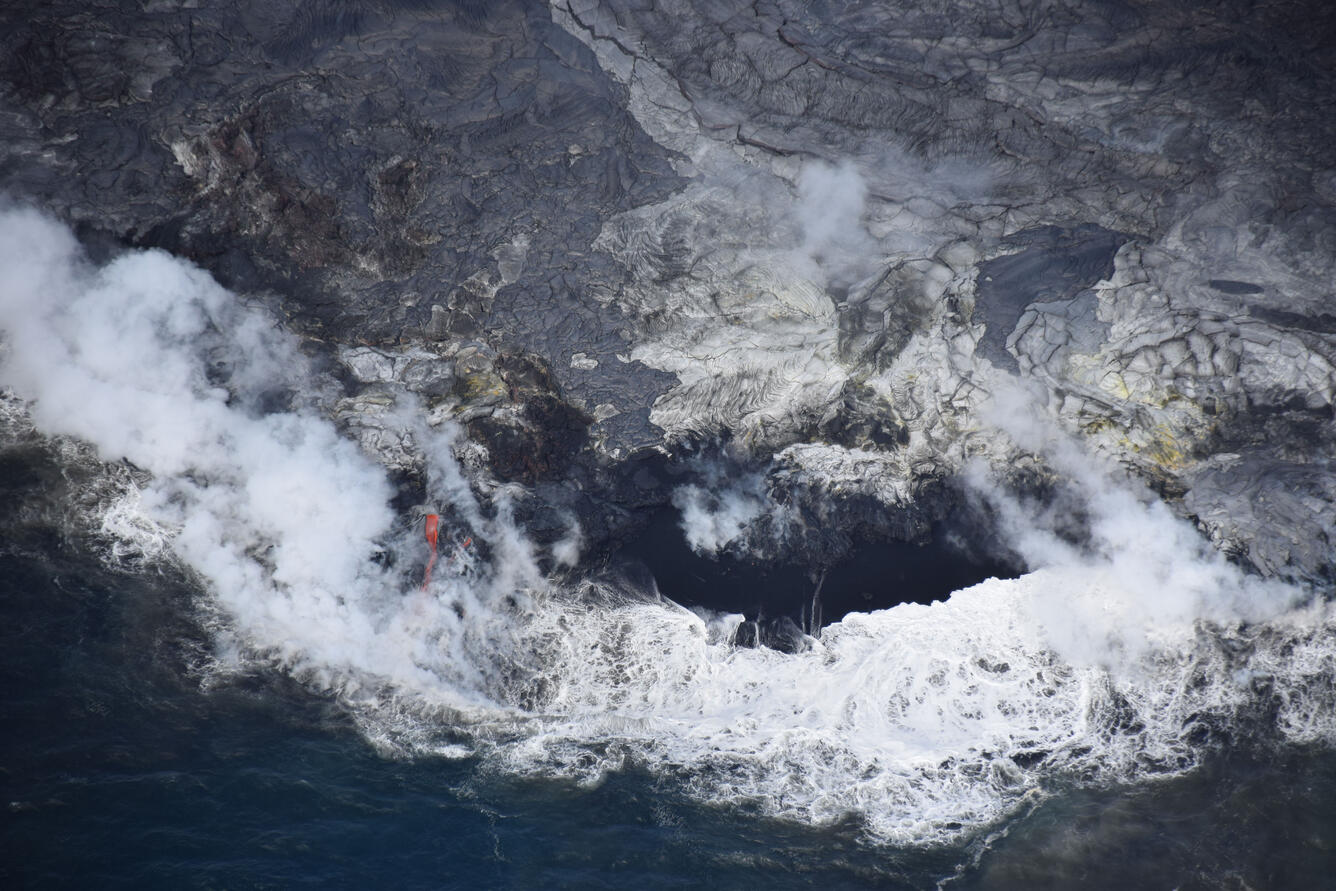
(124, 764)
(120, 769)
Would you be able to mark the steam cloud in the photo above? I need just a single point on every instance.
(830, 206)
(151, 361)
(1128, 573)
(829, 213)
(927, 721)
(722, 510)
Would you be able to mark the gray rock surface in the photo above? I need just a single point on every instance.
(826, 233)
(387, 173)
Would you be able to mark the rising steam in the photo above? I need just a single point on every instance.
(1135, 576)
(1110, 661)
(154, 363)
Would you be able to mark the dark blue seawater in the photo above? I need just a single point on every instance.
(120, 768)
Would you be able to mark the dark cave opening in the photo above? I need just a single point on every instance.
(782, 600)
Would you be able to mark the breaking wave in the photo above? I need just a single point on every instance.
(1125, 658)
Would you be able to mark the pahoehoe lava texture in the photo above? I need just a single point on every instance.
(391, 173)
(585, 231)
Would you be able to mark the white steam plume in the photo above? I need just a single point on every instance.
(723, 508)
(1112, 663)
(151, 361)
(1135, 573)
(829, 212)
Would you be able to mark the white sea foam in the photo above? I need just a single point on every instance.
(927, 721)
(1115, 661)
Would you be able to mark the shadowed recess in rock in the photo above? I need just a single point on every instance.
(785, 597)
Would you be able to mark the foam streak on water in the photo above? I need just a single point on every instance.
(1121, 661)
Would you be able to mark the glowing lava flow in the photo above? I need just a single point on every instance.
(433, 524)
